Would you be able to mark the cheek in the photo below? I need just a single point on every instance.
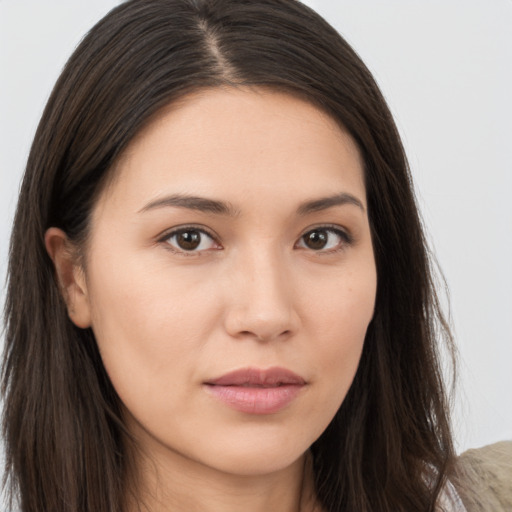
(340, 313)
(341, 305)
(147, 333)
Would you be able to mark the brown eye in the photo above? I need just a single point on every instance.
(316, 240)
(324, 239)
(190, 240)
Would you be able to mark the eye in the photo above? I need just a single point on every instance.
(324, 239)
(190, 240)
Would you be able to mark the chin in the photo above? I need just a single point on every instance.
(256, 463)
(255, 455)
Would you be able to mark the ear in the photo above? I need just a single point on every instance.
(70, 276)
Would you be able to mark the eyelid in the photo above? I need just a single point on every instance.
(169, 233)
(343, 233)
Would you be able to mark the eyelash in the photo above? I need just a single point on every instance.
(187, 229)
(345, 240)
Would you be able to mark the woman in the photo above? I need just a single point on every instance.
(219, 292)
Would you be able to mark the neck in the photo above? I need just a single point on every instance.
(177, 484)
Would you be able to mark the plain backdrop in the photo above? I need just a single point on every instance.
(445, 68)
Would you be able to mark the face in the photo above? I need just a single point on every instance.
(230, 279)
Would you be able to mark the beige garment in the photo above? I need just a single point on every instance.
(485, 478)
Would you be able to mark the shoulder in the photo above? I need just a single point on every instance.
(484, 478)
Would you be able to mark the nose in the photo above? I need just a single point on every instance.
(261, 303)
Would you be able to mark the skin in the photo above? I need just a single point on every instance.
(253, 294)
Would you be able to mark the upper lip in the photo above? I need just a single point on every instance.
(271, 377)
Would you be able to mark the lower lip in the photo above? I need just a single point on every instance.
(256, 400)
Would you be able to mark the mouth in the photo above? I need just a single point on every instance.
(256, 391)
(254, 377)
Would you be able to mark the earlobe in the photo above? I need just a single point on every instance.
(70, 277)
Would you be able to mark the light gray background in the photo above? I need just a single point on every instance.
(445, 68)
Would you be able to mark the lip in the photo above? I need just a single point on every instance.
(257, 391)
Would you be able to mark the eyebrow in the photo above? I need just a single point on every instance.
(201, 204)
(328, 202)
(206, 205)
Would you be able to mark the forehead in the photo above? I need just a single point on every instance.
(239, 143)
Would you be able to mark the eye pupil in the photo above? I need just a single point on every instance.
(188, 240)
(316, 240)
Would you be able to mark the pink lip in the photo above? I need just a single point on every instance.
(256, 391)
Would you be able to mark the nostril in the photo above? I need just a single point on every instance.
(265, 336)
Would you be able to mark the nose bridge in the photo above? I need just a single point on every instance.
(261, 304)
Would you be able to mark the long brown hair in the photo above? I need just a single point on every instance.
(389, 446)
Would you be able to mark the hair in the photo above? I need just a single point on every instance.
(389, 446)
